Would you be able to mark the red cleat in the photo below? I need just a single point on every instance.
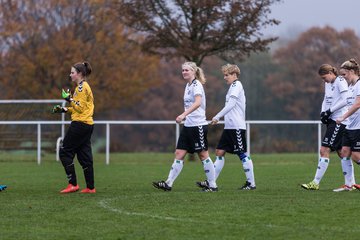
(70, 188)
(88, 190)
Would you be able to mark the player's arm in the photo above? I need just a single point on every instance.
(78, 104)
(228, 106)
(323, 106)
(341, 103)
(351, 110)
(70, 110)
(192, 108)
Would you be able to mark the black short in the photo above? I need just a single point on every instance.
(233, 141)
(351, 138)
(193, 139)
(333, 136)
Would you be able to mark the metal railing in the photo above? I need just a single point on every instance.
(177, 130)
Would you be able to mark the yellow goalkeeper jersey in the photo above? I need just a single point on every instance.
(82, 108)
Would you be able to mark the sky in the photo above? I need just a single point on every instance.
(297, 16)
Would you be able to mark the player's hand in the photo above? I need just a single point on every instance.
(214, 121)
(59, 109)
(340, 120)
(324, 119)
(180, 118)
(328, 113)
(324, 116)
(66, 95)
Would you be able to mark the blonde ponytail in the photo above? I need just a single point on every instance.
(199, 73)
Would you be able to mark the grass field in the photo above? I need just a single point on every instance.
(126, 206)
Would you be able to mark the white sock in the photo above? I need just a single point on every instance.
(321, 169)
(249, 170)
(209, 171)
(218, 165)
(348, 170)
(175, 170)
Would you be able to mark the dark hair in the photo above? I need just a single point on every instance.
(327, 68)
(83, 67)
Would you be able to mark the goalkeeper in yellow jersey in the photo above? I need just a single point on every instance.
(77, 139)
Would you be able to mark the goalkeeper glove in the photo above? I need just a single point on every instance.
(324, 116)
(59, 109)
(66, 95)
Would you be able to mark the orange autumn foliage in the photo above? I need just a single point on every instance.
(42, 39)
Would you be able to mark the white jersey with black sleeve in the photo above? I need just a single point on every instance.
(354, 119)
(235, 105)
(197, 117)
(336, 94)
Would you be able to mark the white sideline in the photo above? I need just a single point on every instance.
(105, 204)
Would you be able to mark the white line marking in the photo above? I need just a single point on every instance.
(105, 204)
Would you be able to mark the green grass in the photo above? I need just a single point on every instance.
(126, 206)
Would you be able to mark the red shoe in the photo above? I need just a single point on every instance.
(357, 186)
(70, 188)
(88, 190)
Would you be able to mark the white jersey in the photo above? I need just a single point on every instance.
(332, 96)
(197, 117)
(235, 118)
(354, 119)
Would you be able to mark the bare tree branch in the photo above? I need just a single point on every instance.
(197, 29)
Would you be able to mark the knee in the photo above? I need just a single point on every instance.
(65, 157)
(62, 153)
(355, 156)
(345, 152)
(180, 154)
(87, 167)
(324, 152)
(219, 152)
(203, 155)
(85, 164)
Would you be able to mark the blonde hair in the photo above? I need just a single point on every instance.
(327, 68)
(199, 73)
(231, 69)
(351, 65)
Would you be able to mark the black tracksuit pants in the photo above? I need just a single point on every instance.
(77, 141)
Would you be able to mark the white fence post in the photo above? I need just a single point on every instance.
(39, 143)
(107, 144)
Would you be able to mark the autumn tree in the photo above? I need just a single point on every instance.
(198, 29)
(41, 39)
(296, 83)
